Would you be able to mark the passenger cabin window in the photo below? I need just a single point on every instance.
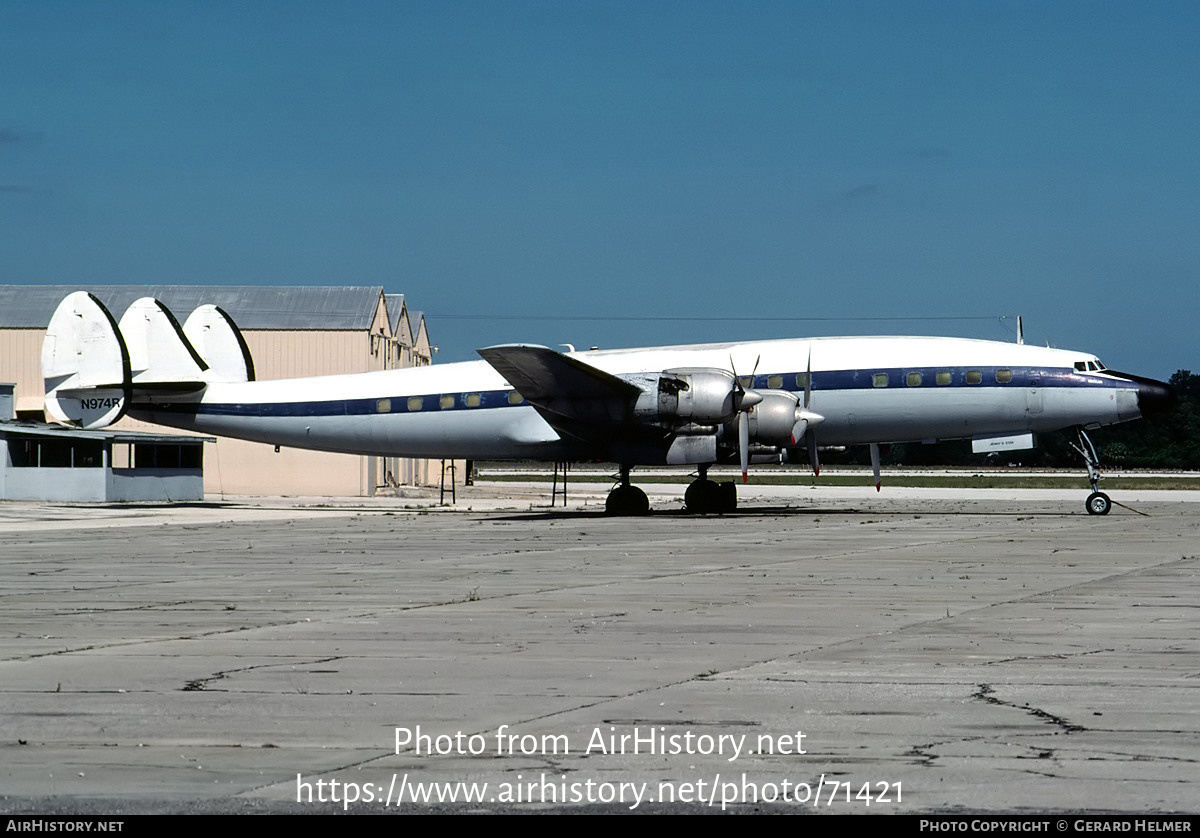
(746, 380)
(774, 382)
(416, 403)
(942, 378)
(974, 377)
(802, 380)
(1003, 376)
(383, 406)
(913, 379)
(879, 379)
(446, 402)
(515, 398)
(472, 400)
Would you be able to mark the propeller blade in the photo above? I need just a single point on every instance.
(798, 430)
(744, 398)
(809, 418)
(744, 444)
(808, 380)
(875, 464)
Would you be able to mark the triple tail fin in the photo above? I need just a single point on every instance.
(95, 368)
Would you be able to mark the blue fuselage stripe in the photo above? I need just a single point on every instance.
(823, 381)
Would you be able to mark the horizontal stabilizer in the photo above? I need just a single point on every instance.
(85, 364)
(218, 340)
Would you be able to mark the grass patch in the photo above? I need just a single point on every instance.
(964, 480)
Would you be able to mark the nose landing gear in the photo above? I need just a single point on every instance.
(1097, 502)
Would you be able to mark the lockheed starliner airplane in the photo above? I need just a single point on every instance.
(778, 400)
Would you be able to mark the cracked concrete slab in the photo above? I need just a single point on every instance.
(959, 654)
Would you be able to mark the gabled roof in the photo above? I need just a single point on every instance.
(398, 312)
(315, 307)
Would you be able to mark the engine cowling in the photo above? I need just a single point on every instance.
(772, 419)
(704, 396)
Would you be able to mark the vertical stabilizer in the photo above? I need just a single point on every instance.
(85, 364)
(159, 354)
(220, 343)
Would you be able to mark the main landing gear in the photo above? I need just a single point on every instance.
(706, 497)
(703, 496)
(1097, 502)
(626, 499)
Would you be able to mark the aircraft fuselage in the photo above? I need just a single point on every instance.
(868, 389)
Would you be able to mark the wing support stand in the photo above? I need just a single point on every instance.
(554, 491)
(453, 498)
(1097, 502)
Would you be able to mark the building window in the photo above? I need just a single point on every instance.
(55, 453)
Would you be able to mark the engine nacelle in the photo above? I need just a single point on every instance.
(704, 396)
(772, 419)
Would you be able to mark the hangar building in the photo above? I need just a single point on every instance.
(292, 331)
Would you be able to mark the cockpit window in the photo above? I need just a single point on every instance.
(1081, 366)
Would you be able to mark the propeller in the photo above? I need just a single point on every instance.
(806, 419)
(743, 401)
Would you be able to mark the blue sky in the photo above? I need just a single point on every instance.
(549, 171)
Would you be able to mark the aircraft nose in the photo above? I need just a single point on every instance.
(1155, 396)
(1152, 396)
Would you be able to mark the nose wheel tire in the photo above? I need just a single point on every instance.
(1098, 504)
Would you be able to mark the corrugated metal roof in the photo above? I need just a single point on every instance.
(320, 307)
(395, 309)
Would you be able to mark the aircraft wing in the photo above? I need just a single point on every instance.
(576, 399)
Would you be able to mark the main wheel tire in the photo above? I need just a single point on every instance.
(1098, 504)
(627, 501)
(726, 498)
(702, 497)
